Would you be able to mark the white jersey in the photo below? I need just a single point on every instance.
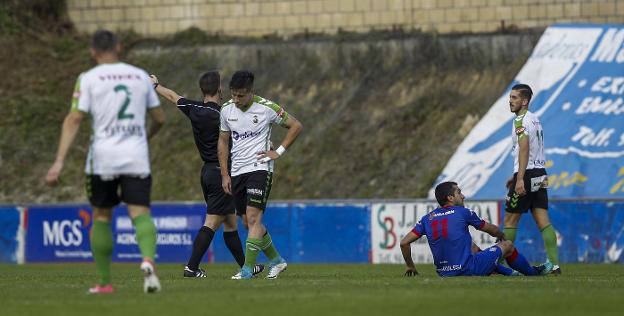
(251, 132)
(528, 125)
(117, 96)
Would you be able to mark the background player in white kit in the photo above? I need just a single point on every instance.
(527, 186)
(117, 96)
(248, 119)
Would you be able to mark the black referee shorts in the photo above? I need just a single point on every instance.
(217, 201)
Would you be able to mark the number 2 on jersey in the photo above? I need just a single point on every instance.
(122, 115)
(435, 224)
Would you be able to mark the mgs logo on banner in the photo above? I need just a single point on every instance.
(60, 233)
(391, 221)
(66, 232)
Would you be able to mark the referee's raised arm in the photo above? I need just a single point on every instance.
(164, 91)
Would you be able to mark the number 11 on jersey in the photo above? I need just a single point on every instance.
(435, 224)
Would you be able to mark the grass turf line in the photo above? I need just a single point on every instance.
(59, 289)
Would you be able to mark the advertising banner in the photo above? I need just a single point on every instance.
(312, 233)
(177, 226)
(58, 233)
(587, 232)
(9, 234)
(576, 72)
(61, 233)
(391, 221)
(317, 232)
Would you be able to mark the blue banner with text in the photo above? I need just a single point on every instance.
(587, 231)
(9, 226)
(576, 72)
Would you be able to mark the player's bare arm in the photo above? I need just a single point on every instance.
(223, 151)
(71, 124)
(523, 161)
(294, 129)
(158, 120)
(406, 250)
(493, 230)
(164, 91)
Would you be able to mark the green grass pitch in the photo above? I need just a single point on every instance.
(59, 289)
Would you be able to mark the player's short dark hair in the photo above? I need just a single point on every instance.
(524, 90)
(443, 190)
(242, 79)
(210, 82)
(103, 41)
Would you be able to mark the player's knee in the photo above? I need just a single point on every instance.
(509, 222)
(230, 222)
(506, 246)
(541, 218)
(213, 222)
(511, 219)
(252, 220)
(102, 214)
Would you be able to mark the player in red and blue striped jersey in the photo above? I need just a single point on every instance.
(447, 233)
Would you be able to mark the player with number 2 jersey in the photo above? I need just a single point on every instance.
(121, 130)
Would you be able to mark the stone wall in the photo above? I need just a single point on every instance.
(286, 17)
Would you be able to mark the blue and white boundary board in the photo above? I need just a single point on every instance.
(307, 232)
(318, 232)
(391, 221)
(587, 231)
(576, 72)
(12, 234)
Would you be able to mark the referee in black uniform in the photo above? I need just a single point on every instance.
(204, 116)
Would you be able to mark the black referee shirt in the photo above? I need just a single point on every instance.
(205, 121)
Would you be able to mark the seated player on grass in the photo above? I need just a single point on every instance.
(447, 233)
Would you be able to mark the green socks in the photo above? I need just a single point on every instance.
(252, 249)
(510, 233)
(102, 249)
(255, 245)
(102, 244)
(550, 243)
(269, 248)
(146, 235)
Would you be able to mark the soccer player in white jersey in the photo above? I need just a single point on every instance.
(117, 96)
(247, 119)
(527, 186)
(205, 120)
